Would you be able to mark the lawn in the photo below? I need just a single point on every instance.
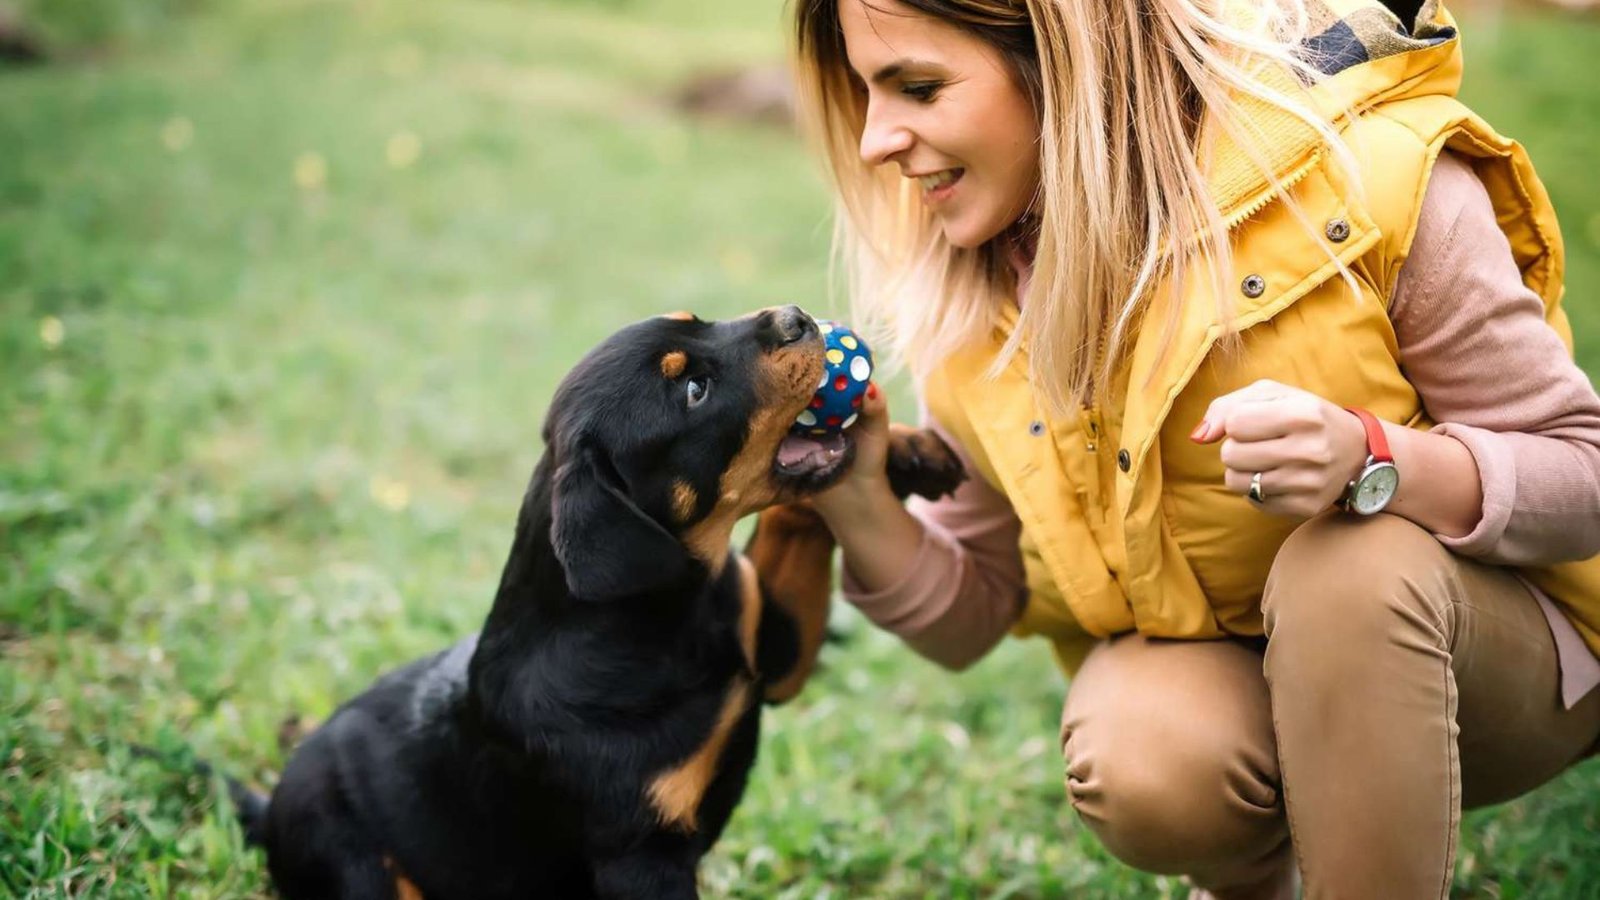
(285, 287)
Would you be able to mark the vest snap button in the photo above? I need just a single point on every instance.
(1124, 461)
(1337, 230)
(1036, 429)
(1253, 286)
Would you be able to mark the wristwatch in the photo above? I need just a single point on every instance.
(1375, 485)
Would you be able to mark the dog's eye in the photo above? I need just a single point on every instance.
(697, 388)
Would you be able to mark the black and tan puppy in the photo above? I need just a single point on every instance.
(593, 740)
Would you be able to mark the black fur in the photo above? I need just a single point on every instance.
(518, 763)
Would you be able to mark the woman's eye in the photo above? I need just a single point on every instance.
(697, 389)
(921, 91)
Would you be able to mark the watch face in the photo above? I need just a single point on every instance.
(1375, 488)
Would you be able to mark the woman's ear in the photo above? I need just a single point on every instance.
(606, 544)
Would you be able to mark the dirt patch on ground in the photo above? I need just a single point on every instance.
(764, 94)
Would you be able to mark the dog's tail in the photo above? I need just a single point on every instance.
(249, 804)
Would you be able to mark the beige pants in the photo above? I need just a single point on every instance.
(1399, 684)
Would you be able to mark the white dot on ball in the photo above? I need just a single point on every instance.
(823, 383)
(806, 418)
(850, 421)
(860, 369)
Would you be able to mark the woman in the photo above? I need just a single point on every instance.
(1250, 334)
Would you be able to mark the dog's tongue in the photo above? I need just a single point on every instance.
(803, 451)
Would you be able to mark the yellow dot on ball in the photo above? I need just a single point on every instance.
(825, 328)
(836, 356)
(848, 342)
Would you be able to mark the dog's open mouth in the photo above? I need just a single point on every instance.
(813, 462)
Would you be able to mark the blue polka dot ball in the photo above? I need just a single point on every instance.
(844, 382)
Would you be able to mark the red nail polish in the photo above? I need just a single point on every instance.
(872, 391)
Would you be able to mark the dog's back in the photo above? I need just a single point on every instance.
(406, 771)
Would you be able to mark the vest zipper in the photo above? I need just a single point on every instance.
(1090, 494)
(1284, 184)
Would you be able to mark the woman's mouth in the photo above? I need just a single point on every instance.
(940, 185)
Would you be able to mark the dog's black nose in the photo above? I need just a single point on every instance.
(789, 324)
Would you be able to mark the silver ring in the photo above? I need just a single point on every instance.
(1255, 494)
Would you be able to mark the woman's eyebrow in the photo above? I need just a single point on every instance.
(895, 68)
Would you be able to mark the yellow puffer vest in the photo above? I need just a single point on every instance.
(1126, 524)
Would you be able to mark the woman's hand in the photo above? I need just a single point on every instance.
(879, 538)
(1306, 448)
(868, 478)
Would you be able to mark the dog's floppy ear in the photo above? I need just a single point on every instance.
(606, 544)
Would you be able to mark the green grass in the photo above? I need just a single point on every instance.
(286, 285)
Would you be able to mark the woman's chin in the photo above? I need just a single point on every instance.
(966, 234)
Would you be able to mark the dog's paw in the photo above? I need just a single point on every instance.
(921, 463)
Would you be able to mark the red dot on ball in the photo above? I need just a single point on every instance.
(833, 421)
(841, 383)
(816, 402)
(855, 402)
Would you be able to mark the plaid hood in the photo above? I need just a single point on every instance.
(1365, 32)
(1365, 54)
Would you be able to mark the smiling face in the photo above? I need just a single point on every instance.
(943, 106)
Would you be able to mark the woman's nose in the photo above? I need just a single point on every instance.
(883, 138)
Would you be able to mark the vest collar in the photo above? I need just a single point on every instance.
(1353, 34)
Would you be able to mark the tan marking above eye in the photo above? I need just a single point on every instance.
(673, 364)
(680, 316)
(684, 500)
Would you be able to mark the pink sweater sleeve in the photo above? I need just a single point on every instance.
(966, 586)
(1475, 344)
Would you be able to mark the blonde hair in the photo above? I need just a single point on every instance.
(1132, 95)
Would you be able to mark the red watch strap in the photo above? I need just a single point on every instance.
(1377, 444)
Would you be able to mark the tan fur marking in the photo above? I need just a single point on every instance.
(676, 793)
(680, 316)
(404, 889)
(673, 364)
(710, 538)
(684, 500)
(793, 552)
(749, 609)
(787, 381)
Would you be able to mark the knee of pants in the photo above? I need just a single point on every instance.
(1172, 800)
(1343, 580)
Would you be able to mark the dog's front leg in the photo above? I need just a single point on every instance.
(792, 553)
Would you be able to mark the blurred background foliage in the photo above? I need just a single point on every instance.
(69, 27)
(285, 287)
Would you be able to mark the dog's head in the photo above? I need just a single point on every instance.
(669, 432)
